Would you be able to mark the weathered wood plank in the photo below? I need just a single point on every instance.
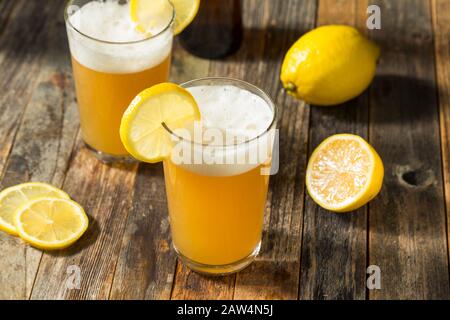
(43, 143)
(147, 262)
(106, 193)
(191, 286)
(270, 28)
(334, 245)
(441, 20)
(407, 235)
(275, 274)
(186, 67)
(22, 45)
(6, 9)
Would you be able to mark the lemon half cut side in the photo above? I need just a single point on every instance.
(344, 173)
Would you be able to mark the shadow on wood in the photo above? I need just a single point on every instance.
(277, 40)
(268, 280)
(393, 88)
(87, 240)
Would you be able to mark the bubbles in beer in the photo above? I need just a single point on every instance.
(235, 111)
(233, 136)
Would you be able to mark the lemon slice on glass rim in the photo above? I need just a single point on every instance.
(150, 14)
(344, 173)
(142, 131)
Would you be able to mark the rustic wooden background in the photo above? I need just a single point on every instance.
(308, 253)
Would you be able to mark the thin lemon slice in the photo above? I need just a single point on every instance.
(185, 12)
(11, 199)
(51, 223)
(142, 131)
(153, 16)
(344, 173)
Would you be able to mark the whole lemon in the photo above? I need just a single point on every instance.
(330, 65)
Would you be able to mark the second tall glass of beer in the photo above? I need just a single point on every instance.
(112, 62)
(217, 177)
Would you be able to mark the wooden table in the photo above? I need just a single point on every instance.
(308, 253)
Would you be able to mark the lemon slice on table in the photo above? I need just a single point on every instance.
(142, 131)
(11, 199)
(344, 173)
(149, 15)
(51, 223)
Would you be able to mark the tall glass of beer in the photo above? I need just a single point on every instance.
(112, 62)
(217, 177)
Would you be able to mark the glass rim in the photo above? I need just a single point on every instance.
(258, 91)
(150, 37)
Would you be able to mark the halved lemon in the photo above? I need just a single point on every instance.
(344, 173)
(142, 131)
(51, 223)
(155, 14)
(11, 199)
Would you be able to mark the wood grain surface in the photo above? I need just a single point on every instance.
(308, 252)
(441, 24)
(407, 236)
(334, 245)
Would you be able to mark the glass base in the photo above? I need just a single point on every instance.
(219, 270)
(110, 158)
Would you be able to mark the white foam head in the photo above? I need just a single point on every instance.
(103, 37)
(239, 112)
(236, 125)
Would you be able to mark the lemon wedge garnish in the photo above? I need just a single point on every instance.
(185, 12)
(51, 223)
(142, 131)
(11, 199)
(344, 173)
(156, 14)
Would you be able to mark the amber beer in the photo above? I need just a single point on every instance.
(112, 63)
(101, 111)
(217, 202)
(216, 221)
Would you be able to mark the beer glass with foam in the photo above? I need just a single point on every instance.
(112, 62)
(217, 177)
